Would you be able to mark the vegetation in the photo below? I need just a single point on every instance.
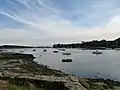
(33, 67)
(99, 84)
(16, 83)
(8, 55)
(91, 44)
(23, 64)
(19, 47)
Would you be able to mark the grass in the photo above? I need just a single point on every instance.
(33, 67)
(29, 84)
(9, 55)
(5, 85)
(8, 83)
(99, 84)
(15, 87)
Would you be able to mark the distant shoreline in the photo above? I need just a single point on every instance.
(20, 47)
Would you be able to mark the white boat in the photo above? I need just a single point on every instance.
(97, 52)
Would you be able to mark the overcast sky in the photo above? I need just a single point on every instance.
(43, 22)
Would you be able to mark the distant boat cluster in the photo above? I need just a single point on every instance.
(63, 51)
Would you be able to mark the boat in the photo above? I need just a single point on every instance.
(97, 52)
(66, 53)
(67, 60)
(21, 51)
(44, 50)
(34, 50)
(55, 51)
(62, 49)
(117, 49)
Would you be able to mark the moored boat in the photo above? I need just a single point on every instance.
(97, 52)
(55, 51)
(34, 50)
(67, 60)
(21, 51)
(66, 53)
(44, 50)
(62, 49)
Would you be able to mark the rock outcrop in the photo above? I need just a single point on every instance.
(70, 82)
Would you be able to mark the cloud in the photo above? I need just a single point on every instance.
(46, 24)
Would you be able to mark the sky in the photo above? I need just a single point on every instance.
(45, 22)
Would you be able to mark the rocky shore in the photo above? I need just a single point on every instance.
(20, 72)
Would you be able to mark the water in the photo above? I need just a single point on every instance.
(85, 64)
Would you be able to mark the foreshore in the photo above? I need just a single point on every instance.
(20, 72)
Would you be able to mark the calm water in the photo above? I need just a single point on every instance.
(84, 63)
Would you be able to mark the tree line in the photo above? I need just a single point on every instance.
(91, 44)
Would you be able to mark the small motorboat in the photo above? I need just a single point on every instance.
(44, 50)
(97, 52)
(62, 49)
(55, 51)
(21, 51)
(67, 60)
(34, 50)
(66, 53)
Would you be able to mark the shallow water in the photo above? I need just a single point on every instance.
(85, 64)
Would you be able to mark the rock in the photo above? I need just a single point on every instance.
(73, 79)
(70, 82)
(84, 82)
(74, 86)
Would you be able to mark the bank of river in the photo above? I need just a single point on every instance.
(13, 65)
